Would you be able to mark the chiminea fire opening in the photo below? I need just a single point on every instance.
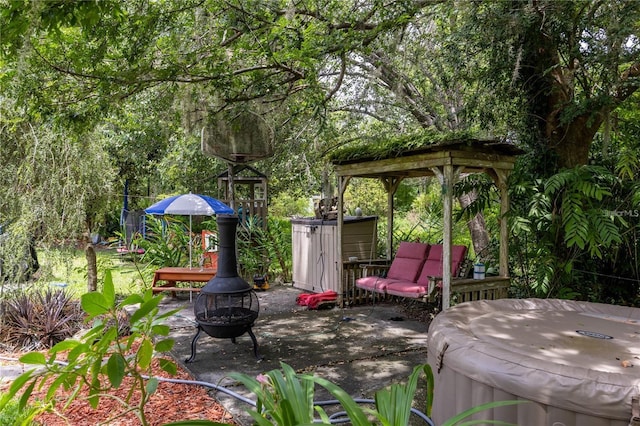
(227, 307)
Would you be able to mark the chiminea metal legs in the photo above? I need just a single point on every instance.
(233, 339)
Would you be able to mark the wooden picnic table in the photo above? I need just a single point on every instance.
(172, 275)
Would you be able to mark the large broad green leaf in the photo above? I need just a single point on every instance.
(33, 358)
(152, 385)
(108, 289)
(145, 354)
(65, 345)
(168, 366)
(94, 304)
(164, 345)
(132, 299)
(24, 399)
(75, 353)
(296, 392)
(430, 389)
(355, 413)
(162, 316)
(116, 369)
(16, 385)
(457, 420)
(145, 308)
(62, 379)
(394, 404)
(161, 329)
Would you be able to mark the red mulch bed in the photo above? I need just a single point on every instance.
(171, 402)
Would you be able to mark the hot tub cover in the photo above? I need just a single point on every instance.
(579, 356)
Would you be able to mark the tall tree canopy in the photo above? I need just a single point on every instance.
(573, 62)
(239, 50)
(436, 64)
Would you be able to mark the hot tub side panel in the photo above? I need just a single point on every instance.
(456, 393)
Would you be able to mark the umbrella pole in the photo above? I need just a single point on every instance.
(190, 241)
(190, 246)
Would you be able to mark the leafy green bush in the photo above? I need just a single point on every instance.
(265, 251)
(13, 415)
(166, 242)
(285, 398)
(39, 319)
(566, 229)
(286, 204)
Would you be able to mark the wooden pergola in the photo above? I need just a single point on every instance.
(446, 161)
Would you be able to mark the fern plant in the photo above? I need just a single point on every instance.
(560, 223)
(579, 193)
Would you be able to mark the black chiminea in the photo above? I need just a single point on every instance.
(227, 306)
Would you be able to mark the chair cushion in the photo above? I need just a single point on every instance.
(412, 250)
(435, 252)
(458, 253)
(408, 261)
(406, 266)
(373, 283)
(405, 269)
(406, 289)
(431, 268)
(433, 265)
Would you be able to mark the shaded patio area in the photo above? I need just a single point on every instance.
(361, 349)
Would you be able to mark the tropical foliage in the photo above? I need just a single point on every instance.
(286, 398)
(265, 251)
(166, 242)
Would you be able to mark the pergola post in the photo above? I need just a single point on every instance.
(447, 176)
(343, 181)
(390, 186)
(502, 176)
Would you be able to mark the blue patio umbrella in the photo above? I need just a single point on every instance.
(189, 205)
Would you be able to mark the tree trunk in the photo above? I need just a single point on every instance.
(477, 225)
(92, 268)
(572, 142)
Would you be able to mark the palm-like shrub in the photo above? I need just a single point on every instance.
(166, 242)
(265, 250)
(39, 319)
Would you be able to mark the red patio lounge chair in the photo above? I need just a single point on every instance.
(405, 267)
(415, 271)
(431, 273)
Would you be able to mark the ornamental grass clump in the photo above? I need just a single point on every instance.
(39, 319)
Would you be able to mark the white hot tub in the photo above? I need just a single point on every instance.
(577, 363)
